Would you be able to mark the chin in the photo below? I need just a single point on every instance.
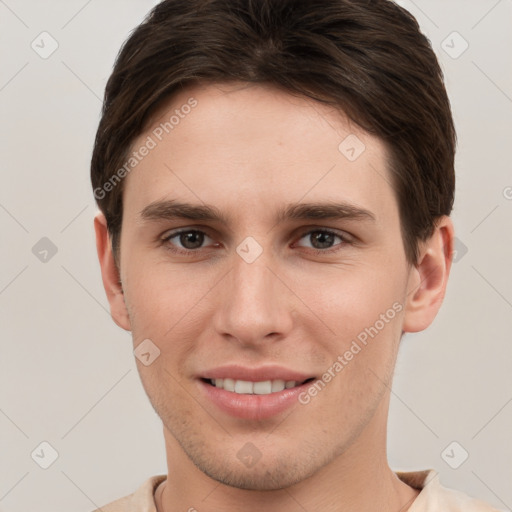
(262, 477)
(276, 469)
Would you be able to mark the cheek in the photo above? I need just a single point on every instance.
(167, 305)
(363, 313)
(352, 299)
(156, 290)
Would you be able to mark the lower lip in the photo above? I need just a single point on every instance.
(253, 407)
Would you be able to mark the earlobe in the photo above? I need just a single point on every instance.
(110, 274)
(429, 278)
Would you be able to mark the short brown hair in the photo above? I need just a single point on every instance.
(367, 58)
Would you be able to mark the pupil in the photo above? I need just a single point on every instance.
(189, 236)
(321, 237)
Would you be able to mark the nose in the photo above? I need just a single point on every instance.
(254, 303)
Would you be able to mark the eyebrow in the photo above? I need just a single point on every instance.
(171, 209)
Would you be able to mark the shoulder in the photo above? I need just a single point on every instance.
(433, 496)
(120, 505)
(142, 500)
(457, 501)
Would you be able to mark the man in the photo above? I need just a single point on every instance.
(275, 179)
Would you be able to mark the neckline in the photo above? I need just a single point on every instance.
(415, 479)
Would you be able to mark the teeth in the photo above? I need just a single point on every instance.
(262, 388)
(277, 385)
(244, 387)
(228, 384)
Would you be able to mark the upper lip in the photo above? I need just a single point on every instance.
(259, 374)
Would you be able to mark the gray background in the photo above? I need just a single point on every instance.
(67, 373)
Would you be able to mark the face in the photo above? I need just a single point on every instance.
(286, 269)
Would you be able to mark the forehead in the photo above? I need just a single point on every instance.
(254, 147)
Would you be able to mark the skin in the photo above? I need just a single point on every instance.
(250, 150)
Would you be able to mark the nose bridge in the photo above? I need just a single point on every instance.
(253, 302)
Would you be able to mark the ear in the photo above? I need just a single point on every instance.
(429, 278)
(110, 273)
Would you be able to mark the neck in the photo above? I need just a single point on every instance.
(357, 479)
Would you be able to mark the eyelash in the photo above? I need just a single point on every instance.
(190, 252)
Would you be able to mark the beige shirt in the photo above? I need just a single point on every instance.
(432, 498)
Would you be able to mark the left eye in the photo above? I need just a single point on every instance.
(322, 239)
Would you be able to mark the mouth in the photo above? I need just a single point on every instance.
(253, 394)
(246, 387)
